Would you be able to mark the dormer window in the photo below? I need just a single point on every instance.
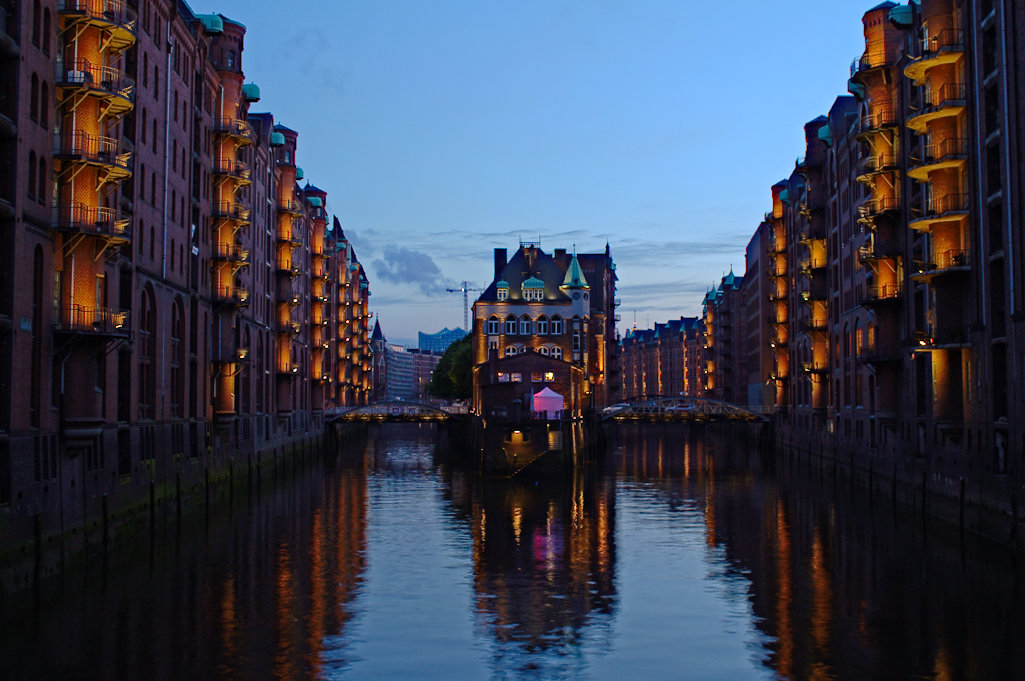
(533, 290)
(502, 288)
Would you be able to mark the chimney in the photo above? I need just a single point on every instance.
(560, 256)
(499, 262)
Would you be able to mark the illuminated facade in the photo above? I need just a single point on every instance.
(171, 299)
(557, 309)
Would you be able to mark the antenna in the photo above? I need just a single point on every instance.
(465, 290)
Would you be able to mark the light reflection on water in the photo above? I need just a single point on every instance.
(686, 555)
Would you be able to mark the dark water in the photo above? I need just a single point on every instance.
(687, 556)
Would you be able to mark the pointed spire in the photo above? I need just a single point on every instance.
(574, 275)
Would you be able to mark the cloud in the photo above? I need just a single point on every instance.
(403, 265)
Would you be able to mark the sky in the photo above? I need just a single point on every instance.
(443, 129)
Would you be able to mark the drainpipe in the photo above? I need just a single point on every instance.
(163, 217)
(1009, 251)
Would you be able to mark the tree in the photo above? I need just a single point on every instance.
(453, 377)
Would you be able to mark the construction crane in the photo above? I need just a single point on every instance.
(465, 290)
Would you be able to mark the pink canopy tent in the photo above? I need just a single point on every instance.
(549, 402)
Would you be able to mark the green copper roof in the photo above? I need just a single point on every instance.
(533, 282)
(212, 23)
(298, 173)
(784, 196)
(857, 89)
(251, 92)
(826, 135)
(316, 201)
(502, 283)
(902, 16)
(277, 139)
(574, 276)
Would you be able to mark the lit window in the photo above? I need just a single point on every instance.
(515, 378)
(503, 377)
(549, 375)
(535, 376)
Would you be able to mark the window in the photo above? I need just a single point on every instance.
(542, 325)
(535, 377)
(32, 174)
(557, 352)
(44, 105)
(43, 179)
(549, 376)
(493, 325)
(510, 324)
(503, 294)
(525, 325)
(510, 350)
(533, 294)
(46, 31)
(35, 22)
(33, 98)
(515, 377)
(557, 327)
(543, 350)
(503, 377)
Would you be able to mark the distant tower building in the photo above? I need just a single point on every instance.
(439, 342)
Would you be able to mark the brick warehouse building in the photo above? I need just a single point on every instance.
(886, 280)
(172, 303)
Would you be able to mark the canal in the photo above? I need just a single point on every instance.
(685, 554)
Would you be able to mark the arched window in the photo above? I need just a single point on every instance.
(542, 325)
(35, 22)
(177, 358)
(525, 325)
(493, 325)
(44, 105)
(510, 350)
(43, 181)
(46, 31)
(510, 325)
(557, 328)
(33, 98)
(32, 174)
(147, 352)
(544, 350)
(556, 352)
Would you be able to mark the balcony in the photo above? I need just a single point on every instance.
(942, 208)
(810, 265)
(881, 354)
(950, 261)
(287, 369)
(290, 206)
(814, 325)
(231, 252)
(874, 208)
(815, 367)
(290, 237)
(231, 356)
(946, 47)
(96, 220)
(876, 122)
(95, 321)
(235, 170)
(112, 86)
(288, 267)
(100, 152)
(943, 102)
(941, 338)
(231, 295)
(877, 249)
(229, 210)
(815, 231)
(235, 128)
(876, 164)
(865, 64)
(881, 294)
(950, 153)
(114, 17)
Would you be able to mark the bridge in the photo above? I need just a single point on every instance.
(682, 408)
(397, 410)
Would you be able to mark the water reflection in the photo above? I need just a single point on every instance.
(684, 554)
(543, 567)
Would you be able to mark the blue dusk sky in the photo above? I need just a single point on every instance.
(442, 129)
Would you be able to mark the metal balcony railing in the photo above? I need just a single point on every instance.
(81, 73)
(96, 149)
(231, 251)
(235, 169)
(111, 12)
(235, 127)
(94, 320)
(99, 220)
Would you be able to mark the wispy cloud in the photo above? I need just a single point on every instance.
(402, 265)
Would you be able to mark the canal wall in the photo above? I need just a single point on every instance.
(164, 490)
(933, 484)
